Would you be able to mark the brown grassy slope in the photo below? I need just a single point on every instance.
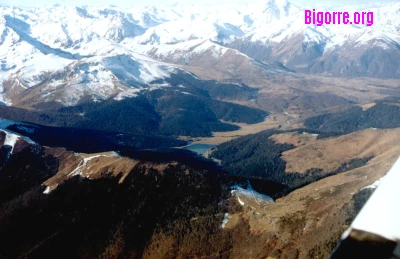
(308, 222)
(100, 165)
(329, 154)
(294, 138)
(305, 224)
(286, 121)
(325, 206)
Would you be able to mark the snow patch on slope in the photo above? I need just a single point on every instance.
(240, 201)
(375, 184)
(5, 123)
(225, 220)
(47, 191)
(250, 194)
(86, 159)
(181, 51)
(11, 140)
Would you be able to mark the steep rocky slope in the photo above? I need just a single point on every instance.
(165, 205)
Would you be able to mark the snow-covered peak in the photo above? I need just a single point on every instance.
(74, 46)
(72, 26)
(278, 28)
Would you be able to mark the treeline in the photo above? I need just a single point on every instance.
(186, 114)
(383, 115)
(214, 89)
(189, 110)
(92, 141)
(258, 157)
(102, 218)
(296, 180)
(24, 170)
(253, 156)
(132, 115)
(236, 113)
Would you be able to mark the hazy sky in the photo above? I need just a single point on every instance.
(164, 2)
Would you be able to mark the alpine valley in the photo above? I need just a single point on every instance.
(101, 105)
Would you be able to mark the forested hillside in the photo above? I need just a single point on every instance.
(383, 115)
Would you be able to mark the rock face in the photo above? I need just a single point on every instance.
(343, 61)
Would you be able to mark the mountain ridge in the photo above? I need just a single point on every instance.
(38, 42)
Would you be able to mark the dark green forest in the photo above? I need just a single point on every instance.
(257, 157)
(383, 115)
(191, 110)
(85, 218)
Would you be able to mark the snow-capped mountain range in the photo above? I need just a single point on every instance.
(60, 53)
